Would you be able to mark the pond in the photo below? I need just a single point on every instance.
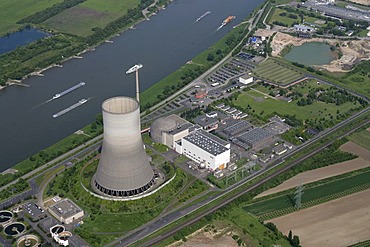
(23, 37)
(311, 53)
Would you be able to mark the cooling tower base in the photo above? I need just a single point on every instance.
(122, 193)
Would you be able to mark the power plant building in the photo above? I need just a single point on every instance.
(168, 130)
(66, 211)
(124, 168)
(205, 148)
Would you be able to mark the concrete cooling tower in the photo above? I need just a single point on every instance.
(123, 169)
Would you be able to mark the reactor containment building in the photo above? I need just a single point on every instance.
(123, 169)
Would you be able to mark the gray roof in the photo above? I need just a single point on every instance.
(207, 142)
(66, 208)
(254, 136)
(238, 127)
(204, 121)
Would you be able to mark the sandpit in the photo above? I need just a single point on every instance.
(340, 222)
(353, 50)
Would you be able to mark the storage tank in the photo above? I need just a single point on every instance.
(123, 169)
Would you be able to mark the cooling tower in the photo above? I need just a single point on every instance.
(123, 169)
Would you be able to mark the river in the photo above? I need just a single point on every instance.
(162, 45)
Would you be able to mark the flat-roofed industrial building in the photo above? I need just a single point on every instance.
(206, 148)
(66, 211)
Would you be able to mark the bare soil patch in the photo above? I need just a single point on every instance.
(364, 2)
(354, 148)
(318, 174)
(340, 222)
(353, 51)
(201, 238)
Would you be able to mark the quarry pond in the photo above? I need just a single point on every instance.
(311, 53)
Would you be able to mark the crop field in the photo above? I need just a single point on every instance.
(361, 138)
(80, 20)
(265, 106)
(276, 72)
(318, 174)
(12, 11)
(340, 222)
(284, 204)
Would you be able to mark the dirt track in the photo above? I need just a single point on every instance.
(340, 222)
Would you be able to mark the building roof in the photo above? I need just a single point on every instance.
(238, 127)
(207, 142)
(254, 136)
(205, 121)
(65, 208)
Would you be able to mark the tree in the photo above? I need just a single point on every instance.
(210, 57)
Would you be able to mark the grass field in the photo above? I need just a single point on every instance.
(12, 11)
(265, 106)
(361, 138)
(80, 19)
(276, 72)
(283, 19)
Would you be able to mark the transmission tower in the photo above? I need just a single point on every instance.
(298, 196)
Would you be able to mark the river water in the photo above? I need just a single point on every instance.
(162, 45)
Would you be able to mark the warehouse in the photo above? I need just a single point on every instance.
(255, 137)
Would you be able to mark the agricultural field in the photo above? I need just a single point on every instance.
(275, 17)
(340, 222)
(12, 11)
(80, 20)
(315, 193)
(354, 148)
(361, 138)
(273, 71)
(318, 174)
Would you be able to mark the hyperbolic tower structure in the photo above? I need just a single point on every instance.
(123, 169)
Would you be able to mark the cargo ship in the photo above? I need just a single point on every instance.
(134, 68)
(58, 95)
(228, 19)
(202, 16)
(79, 103)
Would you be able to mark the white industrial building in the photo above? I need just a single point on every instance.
(66, 211)
(205, 148)
(246, 79)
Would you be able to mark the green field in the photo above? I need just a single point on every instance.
(362, 138)
(274, 71)
(265, 106)
(282, 204)
(12, 11)
(283, 19)
(80, 20)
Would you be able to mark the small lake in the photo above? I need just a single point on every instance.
(20, 38)
(311, 53)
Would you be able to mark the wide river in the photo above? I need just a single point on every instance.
(162, 45)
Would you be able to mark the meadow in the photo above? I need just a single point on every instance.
(81, 19)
